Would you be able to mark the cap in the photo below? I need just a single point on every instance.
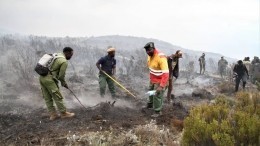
(149, 45)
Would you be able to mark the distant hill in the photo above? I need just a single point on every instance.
(125, 45)
(131, 43)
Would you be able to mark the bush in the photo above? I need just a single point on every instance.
(225, 122)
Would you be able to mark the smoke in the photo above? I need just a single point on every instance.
(18, 80)
(186, 86)
(93, 99)
(20, 104)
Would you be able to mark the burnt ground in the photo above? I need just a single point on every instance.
(28, 125)
(31, 128)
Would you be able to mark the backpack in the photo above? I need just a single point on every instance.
(45, 63)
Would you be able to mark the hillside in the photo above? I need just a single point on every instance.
(125, 45)
(24, 119)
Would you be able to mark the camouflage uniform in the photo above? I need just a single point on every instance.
(202, 64)
(255, 60)
(255, 72)
(255, 69)
(222, 66)
(49, 85)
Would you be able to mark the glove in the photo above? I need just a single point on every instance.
(66, 86)
(150, 93)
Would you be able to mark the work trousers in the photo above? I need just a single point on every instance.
(238, 79)
(156, 101)
(51, 94)
(103, 81)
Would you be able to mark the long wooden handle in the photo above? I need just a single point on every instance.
(119, 84)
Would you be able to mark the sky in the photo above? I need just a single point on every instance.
(228, 27)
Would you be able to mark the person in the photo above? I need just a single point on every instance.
(240, 72)
(50, 88)
(159, 74)
(107, 64)
(255, 70)
(255, 60)
(202, 63)
(222, 66)
(247, 63)
(173, 65)
(230, 72)
(190, 67)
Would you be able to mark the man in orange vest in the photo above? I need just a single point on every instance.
(159, 74)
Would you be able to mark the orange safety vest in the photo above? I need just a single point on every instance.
(158, 66)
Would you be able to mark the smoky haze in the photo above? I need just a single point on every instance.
(21, 53)
(229, 27)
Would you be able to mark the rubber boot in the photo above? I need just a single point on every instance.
(67, 115)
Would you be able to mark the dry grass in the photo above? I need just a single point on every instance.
(226, 87)
(178, 124)
(149, 134)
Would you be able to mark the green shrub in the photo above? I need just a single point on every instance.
(225, 123)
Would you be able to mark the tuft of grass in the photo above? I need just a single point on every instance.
(148, 134)
(226, 87)
(178, 124)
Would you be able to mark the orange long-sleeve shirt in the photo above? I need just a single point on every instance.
(158, 66)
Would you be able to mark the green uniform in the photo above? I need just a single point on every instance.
(156, 100)
(49, 84)
(103, 81)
